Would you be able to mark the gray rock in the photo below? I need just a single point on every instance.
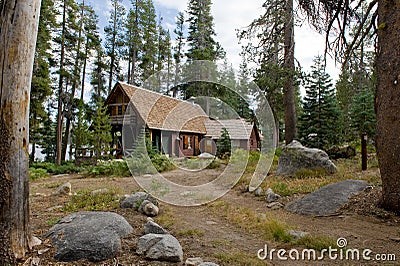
(275, 205)
(153, 228)
(148, 208)
(95, 236)
(328, 199)
(64, 189)
(206, 155)
(258, 192)
(193, 261)
(296, 157)
(208, 264)
(160, 247)
(99, 191)
(135, 200)
(297, 234)
(270, 196)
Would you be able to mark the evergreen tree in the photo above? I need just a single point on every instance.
(224, 144)
(115, 40)
(134, 37)
(41, 81)
(66, 41)
(362, 113)
(148, 52)
(101, 136)
(48, 141)
(178, 50)
(202, 45)
(319, 123)
(82, 135)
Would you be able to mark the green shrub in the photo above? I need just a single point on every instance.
(84, 200)
(52, 168)
(37, 173)
(109, 168)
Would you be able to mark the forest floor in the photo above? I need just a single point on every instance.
(231, 230)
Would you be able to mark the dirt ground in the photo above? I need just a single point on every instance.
(207, 232)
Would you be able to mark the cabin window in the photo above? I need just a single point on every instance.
(120, 110)
(185, 142)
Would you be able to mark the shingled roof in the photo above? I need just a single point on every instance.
(237, 128)
(164, 112)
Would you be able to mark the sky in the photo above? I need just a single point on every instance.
(230, 15)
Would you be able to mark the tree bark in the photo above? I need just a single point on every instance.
(289, 89)
(387, 102)
(60, 90)
(18, 32)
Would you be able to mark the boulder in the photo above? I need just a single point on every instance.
(328, 199)
(153, 228)
(161, 247)
(295, 157)
(135, 200)
(94, 236)
(148, 208)
(337, 152)
(64, 189)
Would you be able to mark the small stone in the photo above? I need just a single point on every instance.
(297, 234)
(55, 208)
(258, 192)
(208, 264)
(395, 239)
(194, 261)
(135, 200)
(35, 241)
(148, 208)
(271, 196)
(99, 191)
(42, 251)
(251, 189)
(153, 228)
(64, 189)
(211, 222)
(160, 247)
(275, 205)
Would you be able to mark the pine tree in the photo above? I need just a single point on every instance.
(319, 123)
(41, 81)
(101, 136)
(115, 40)
(148, 56)
(134, 37)
(178, 50)
(66, 40)
(362, 113)
(224, 144)
(202, 45)
(82, 135)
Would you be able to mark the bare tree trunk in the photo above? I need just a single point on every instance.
(289, 89)
(60, 91)
(18, 32)
(387, 102)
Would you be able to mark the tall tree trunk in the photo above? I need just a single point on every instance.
(18, 32)
(112, 61)
(387, 102)
(59, 129)
(289, 89)
(75, 79)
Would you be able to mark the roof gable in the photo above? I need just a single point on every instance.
(163, 112)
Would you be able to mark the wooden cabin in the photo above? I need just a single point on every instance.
(243, 134)
(175, 127)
